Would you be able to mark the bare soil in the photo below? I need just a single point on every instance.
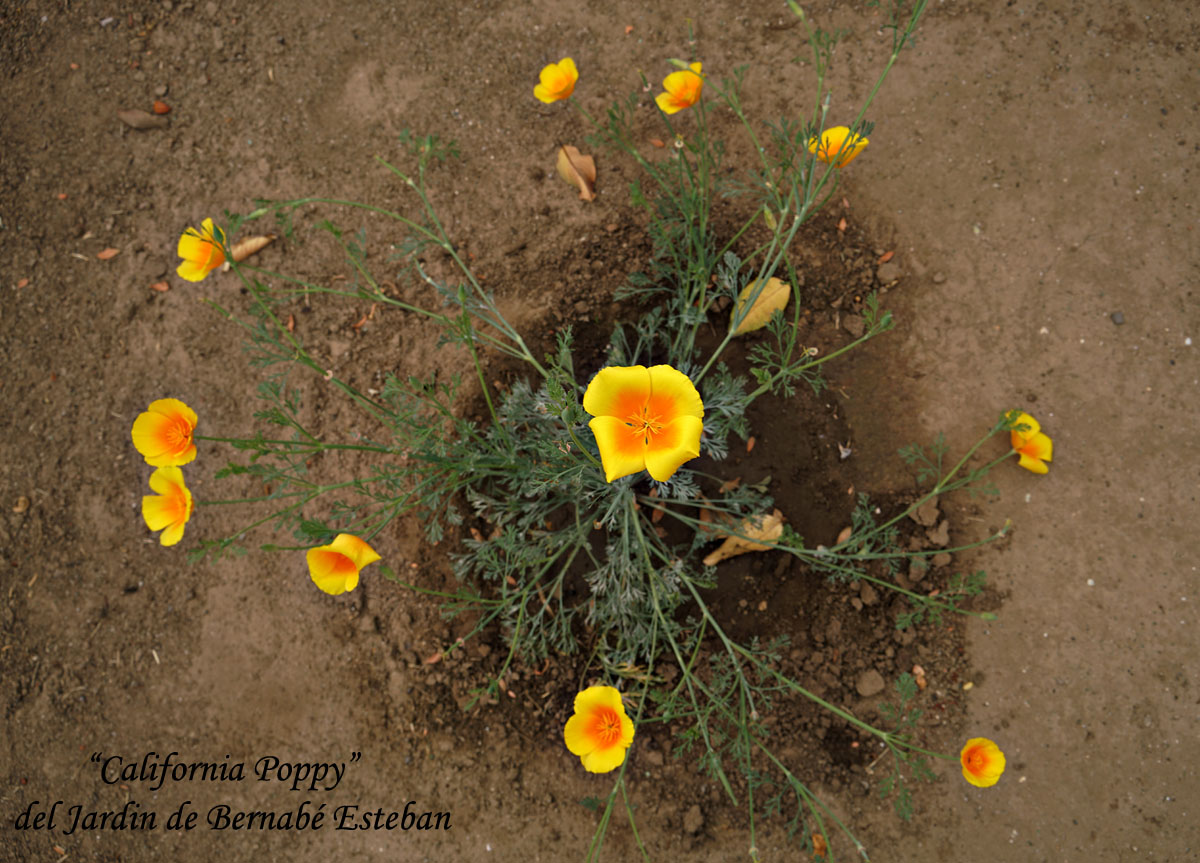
(1029, 173)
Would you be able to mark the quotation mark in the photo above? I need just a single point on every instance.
(355, 756)
(97, 757)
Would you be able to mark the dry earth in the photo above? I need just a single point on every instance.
(1031, 169)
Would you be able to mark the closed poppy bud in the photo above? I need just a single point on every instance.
(834, 149)
(335, 567)
(202, 251)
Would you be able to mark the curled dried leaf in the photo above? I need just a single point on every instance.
(108, 254)
(766, 528)
(578, 170)
(142, 120)
(772, 298)
(249, 246)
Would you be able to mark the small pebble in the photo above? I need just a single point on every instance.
(160, 90)
(1117, 318)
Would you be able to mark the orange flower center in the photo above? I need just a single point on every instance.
(179, 434)
(977, 760)
(644, 425)
(606, 727)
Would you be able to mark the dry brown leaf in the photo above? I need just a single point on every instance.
(161, 107)
(108, 254)
(23, 283)
(750, 442)
(844, 535)
(161, 287)
(291, 324)
(842, 224)
(762, 527)
(819, 845)
(730, 484)
(433, 660)
(886, 256)
(249, 246)
(142, 120)
(578, 170)
(21, 505)
(658, 142)
(773, 297)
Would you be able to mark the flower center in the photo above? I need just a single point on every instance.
(179, 435)
(977, 761)
(644, 425)
(607, 726)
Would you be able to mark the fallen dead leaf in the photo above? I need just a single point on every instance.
(842, 225)
(919, 675)
(108, 254)
(161, 107)
(658, 142)
(819, 845)
(730, 484)
(62, 196)
(23, 283)
(886, 256)
(21, 505)
(772, 298)
(291, 324)
(763, 527)
(161, 287)
(628, 29)
(433, 660)
(578, 170)
(142, 120)
(249, 246)
(74, 66)
(844, 535)
(750, 442)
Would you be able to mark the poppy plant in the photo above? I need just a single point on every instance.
(202, 251)
(644, 418)
(170, 508)
(334, 568)
(982, 762)
(683, 89)
(599, 732)
(163, 434)
(557, 81)
(1034, 448)
(834, 149)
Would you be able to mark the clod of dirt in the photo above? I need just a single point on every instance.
(927, 513)
(141, 120)
(867, 593)
(887, 273)
(1117, 318)
(941, 535)
(940, 560)
(854, 325)
(869, 683)
(693, 819)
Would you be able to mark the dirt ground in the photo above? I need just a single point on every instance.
(1030, 169)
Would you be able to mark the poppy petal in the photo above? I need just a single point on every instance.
(354, 548)
(678, 442)
(672, 394)
(622, 450)
(618, 391)
(576, 736)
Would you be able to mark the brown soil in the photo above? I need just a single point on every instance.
(1029, 171)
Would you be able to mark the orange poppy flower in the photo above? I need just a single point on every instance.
(644, 419)
(834, 150)
(557, 81)
(1034, 448)
(170, 509)
(163, 434)
(599, 733)
(982, 762)
(202, 251)
(683, 89)
(334, 568)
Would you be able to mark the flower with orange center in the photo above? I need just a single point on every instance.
(644, 418)
(163, 434)
(202, 251)
(557, 81)
(334, 568)
(599, 732)
(170, 508)
(1034, 448)
(982, 762)
(834, 149)
(683, 89)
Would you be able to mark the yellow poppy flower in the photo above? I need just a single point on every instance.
(202, 251)
(683, 89)
(1034, 448)
(599, 732)
(170, 509)
(334, 568)
(982, 762)
(834, 149)
(557, 81)
(163, 434)
(644, 418)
